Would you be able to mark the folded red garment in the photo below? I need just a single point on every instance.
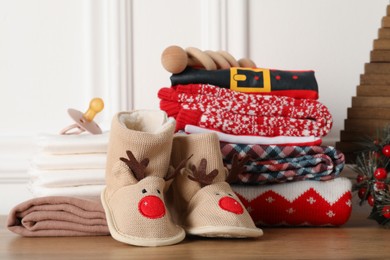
(237, 124)
(296, 84)
(259, 140)
(58, 216)
(302, 203)
(244, 114)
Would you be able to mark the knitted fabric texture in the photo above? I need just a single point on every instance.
(205, 204)
(256, 139)
(137, 164)
(56, 216)
(244, 114)
(304, 203)
(275, 164)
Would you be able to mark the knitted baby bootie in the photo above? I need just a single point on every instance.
(137, 176)
(204, 202)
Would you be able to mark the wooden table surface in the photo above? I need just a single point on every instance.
(359, 238)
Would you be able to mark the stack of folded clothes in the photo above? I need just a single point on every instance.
(270, 125)
(69, 165)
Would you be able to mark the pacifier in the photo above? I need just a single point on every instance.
(84, 122)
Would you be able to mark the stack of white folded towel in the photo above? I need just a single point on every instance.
(69, 165)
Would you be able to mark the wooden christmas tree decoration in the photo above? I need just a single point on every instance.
(371, 106)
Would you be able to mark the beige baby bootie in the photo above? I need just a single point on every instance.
(137, 176)
(205, 203)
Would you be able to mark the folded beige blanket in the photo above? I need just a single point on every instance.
(58, 216)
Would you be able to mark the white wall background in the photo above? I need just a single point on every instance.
(57, 54)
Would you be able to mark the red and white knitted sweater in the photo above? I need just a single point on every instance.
(244, 114)
(307, 203)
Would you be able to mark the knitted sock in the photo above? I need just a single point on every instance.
(308, 203)
(276, 115)
(205, 203)
(136, 177)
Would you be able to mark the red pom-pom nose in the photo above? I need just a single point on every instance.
(231, 205)
(151, 207)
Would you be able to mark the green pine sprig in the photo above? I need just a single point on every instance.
(367, 161)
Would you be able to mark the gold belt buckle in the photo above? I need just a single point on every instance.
(236, 78)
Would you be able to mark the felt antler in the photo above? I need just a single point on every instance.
(237, 168)
(200, 175)
(138, 168)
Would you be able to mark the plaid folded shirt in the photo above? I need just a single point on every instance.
(275, 164)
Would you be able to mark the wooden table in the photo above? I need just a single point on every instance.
(359, 238)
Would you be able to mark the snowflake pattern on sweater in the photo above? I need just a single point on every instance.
(308, 203)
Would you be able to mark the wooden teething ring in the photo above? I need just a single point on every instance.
(205, 60)
(221, 62)
(246, 63)
(229, 58)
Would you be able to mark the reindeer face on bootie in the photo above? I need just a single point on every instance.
(215, 210)
(143, 210)
(216, 205)
(138, 214)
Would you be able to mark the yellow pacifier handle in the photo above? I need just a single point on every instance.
(95, 106)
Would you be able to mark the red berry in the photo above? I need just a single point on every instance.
(362, 192)
(380, 174)
(386, 150)
(360, 178)
(376, 155)
(370, 200)
(386, 211)
(379, 185)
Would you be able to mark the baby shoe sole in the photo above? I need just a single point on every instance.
(225, 231)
